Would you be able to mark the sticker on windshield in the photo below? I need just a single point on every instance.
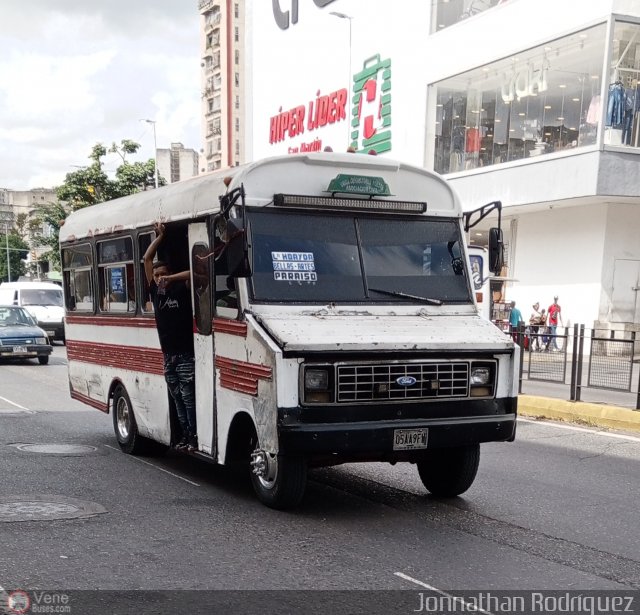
(294, 267)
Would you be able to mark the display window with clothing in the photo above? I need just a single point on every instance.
(539, 101)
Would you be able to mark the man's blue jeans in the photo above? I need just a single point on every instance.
(553, 339)
(179, 372)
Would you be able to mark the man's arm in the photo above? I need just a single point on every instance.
(183, 276)
(149, 255)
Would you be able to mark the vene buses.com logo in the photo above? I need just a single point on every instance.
(18, 602)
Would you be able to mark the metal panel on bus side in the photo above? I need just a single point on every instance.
(203, 350)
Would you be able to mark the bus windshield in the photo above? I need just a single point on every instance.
(299, 257)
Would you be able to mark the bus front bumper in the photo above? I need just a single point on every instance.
(377, 438)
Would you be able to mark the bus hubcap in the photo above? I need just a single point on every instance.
(264, 466)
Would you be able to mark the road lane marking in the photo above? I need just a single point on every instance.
(618, 436)
(186, 480)
(466, 605)
(13, 403)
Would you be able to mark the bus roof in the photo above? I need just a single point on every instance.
(308, 174)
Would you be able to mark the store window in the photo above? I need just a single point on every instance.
(543, 100)
(445, 13)
(622, 113)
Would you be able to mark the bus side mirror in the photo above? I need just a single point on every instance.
(238, 264)
(496, 251)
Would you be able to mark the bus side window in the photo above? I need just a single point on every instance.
(78, 278)
(116, 281)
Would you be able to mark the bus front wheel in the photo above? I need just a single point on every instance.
(125, 426)
(279, 481)
(448, 472)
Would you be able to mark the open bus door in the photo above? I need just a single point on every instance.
(199, 246)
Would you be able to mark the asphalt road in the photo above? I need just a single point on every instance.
(556, 510)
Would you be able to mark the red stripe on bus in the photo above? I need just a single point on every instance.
(240, 376)
(111, 321)
(248, 385)
(132, 358)
(100, 405)
(244, 369)
(233, 327)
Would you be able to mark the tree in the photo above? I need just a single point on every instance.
(18, 251)
(90, 185)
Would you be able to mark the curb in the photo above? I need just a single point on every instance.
(598, 415)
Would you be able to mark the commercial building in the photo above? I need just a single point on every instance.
(223, 91)
(177, 163)
(531, 102)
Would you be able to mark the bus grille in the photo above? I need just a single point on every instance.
(360, 383)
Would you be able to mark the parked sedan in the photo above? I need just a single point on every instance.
(20, 336)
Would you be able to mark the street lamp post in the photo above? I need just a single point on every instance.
(155, 148)
(349, 18)
(6, 236)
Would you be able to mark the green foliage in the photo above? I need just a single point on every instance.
(90, 185)
(18, 250)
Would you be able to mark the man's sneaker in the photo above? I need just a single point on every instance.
(193, 444)
(182, 444)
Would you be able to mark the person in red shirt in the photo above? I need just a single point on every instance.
(554, 316)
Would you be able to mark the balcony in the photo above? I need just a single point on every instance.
(212, 20)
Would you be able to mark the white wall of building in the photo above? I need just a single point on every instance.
(559, 251)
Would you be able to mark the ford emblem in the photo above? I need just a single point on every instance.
(406, 381)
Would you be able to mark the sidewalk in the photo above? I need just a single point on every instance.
(598, 408)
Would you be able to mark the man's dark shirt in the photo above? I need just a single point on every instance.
(173, 318)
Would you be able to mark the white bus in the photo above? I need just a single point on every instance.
(334, 321)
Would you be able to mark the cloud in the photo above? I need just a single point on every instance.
(83, 72)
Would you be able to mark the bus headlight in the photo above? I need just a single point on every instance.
(480, 375)
(482, 379)
(318, 385)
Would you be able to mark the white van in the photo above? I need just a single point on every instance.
(43, 300)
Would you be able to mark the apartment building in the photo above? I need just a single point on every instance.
(532, 102)
(177, 163)
(223, 91)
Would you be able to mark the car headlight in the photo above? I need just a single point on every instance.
(318, 385)
(41, 340)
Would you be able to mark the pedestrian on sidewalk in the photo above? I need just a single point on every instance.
(554, 316)
(515, 320)
(535, 320)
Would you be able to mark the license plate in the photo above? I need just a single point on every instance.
(407, 439)
(50, 333)
(20, 350)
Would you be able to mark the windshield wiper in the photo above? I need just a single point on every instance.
(397, 293)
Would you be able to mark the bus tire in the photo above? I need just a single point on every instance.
(125, 426)
(448, 472)
(285, 486)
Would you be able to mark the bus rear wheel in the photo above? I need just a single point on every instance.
(279, 481)
(448, 472)
(125, 426)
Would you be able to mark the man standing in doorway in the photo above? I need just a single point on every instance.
(554, 316)
(171, 299)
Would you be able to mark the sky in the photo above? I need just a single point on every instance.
(77, 72)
